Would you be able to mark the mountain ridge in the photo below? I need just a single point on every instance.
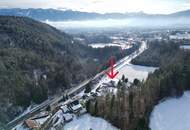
(65, 15)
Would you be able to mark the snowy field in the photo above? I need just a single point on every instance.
(87, 122)
(102, 45)
(135, 71)
(172, 114)
(185, 47)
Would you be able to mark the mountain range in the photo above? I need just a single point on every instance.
(65, 15)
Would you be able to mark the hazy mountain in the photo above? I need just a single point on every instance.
(50, 14)
(63, 15)
(185, 13)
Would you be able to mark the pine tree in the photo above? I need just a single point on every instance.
(88, 104)
(123, 78)
(119, 83)
(126, 80)
(136, 82)
(96, 108)
(112, 102)
(88, 88)
(67, 97)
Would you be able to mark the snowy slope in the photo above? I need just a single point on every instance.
(86, 122)
(132, 71)
(172, 114)
(102, 45)
(135, 71)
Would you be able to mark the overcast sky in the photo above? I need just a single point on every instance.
(103, 6)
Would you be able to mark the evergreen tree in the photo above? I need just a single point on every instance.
(88, 88)
(136, 82)
(88, 105)
(126, 80)
(112, 102)
(67, 97)
(96, 108)
(123, 78)
(119, 83)
(63, 98)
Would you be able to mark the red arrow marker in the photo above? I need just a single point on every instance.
(111, 73)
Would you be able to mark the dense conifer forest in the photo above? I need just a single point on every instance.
(38, 61)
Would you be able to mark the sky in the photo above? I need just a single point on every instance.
(103, 6)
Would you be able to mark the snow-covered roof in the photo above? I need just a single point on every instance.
(41, 115)
(58, 118)
(59, 114)
(76, 107)
(64, 108)
(58, 122)
(67, 116)
(42, 120)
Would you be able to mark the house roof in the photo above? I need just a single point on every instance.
(67, 116)
(64, 108)
(31, 124)
(76, 107)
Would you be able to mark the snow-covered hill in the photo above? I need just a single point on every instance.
(172, 114)
(87, 122)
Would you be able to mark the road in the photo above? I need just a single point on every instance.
(72, 92)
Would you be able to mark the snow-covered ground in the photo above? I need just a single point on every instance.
(185, 47)
(87, 122)
(102, 45)
(172, 114)
(134, 71)
(129, 70)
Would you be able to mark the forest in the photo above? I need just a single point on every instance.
(157, 53)
(38, 61)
